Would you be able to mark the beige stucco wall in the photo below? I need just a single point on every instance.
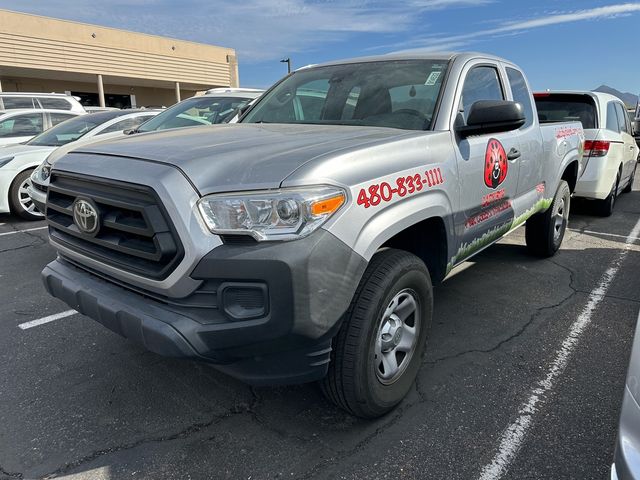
(40, 51)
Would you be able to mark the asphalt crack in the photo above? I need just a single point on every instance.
(237, 409)
(398, 413)
(37, 241)
(6, 475)
(538, 311)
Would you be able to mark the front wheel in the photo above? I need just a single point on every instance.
(20, 201)
(544, 231)
(378, 350)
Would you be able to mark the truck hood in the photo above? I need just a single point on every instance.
(222, 158)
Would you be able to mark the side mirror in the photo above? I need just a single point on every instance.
(492, 116)
(242, 110)
(635, 128)
(130, 131)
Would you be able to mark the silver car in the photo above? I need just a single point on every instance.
(626, 462)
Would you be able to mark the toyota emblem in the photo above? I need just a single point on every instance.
(85, 216)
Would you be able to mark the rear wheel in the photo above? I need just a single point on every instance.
(20, 201)
(378, 350)
(544, 231)
(629, 186)
(604, 207)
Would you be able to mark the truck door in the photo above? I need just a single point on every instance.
(530, 165)
(487, 166)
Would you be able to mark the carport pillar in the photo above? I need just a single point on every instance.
(177, 91)
(101, 91)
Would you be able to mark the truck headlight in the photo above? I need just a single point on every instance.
(284, 214)
(42, 173)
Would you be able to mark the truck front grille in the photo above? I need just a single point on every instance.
(133, 231)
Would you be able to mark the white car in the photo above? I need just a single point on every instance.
(610, 150)
(17, 162)
(51, 101)
(17, 126)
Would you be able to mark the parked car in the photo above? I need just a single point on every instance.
(611, 152)
(626, 462)
(50, 101)
(17, 162)
(211, 108)
(17, 126)
(301, 243)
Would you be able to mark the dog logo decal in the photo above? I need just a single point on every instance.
(495, 164)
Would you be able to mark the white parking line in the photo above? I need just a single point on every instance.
(21, 231)
(50, 318)
(626, 237)
(514, 436)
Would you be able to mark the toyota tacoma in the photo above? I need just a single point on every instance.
(301, 244)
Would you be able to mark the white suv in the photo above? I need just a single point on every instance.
(610, 150)
(53, 101)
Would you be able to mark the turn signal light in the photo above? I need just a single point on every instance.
(328, 205)
(596, 148)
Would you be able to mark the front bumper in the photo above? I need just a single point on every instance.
(308, 285)
(39, 197)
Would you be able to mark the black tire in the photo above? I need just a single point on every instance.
(542, 232)
(629, 186)
(353, 382)
(604, 208)
(16, 194)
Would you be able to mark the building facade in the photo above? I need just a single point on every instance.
(106, 66)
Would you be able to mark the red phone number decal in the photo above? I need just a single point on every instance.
(384, 192)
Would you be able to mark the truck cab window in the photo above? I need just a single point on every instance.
(482, 83)
(520, 93)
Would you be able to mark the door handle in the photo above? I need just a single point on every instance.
(513, 154)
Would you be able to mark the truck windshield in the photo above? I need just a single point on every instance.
(396, 94)
(566, 107)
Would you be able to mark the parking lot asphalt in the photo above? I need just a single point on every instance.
(523, 379)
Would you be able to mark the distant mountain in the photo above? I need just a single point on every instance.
(628, 98)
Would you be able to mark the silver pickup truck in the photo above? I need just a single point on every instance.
(302, 243)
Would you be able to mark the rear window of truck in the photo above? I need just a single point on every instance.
(557, 107)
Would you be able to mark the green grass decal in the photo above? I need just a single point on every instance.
(467, 249)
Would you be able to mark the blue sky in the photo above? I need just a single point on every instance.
(569, 44)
